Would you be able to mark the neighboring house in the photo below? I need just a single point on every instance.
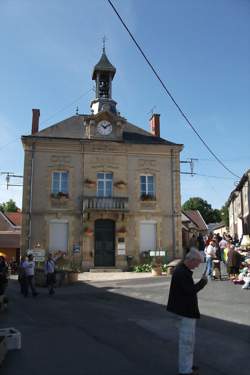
(193, 224)
(10, 233)
(217, 228)
(197, 219)
(100, 188)
(239, 208)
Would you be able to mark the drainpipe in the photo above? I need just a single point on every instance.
(172, 196)
(31, 192)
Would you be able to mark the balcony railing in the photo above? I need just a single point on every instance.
(105, 203)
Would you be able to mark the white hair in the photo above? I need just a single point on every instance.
(193, 254)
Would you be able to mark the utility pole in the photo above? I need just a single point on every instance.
(10, 175)
(189, 161)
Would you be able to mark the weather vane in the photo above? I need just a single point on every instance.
(104, 39)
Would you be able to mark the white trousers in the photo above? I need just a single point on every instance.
(186, 344)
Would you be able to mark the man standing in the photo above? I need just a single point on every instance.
(210, 252)
(183, 302)
(49, 269)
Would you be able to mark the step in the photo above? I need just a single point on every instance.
(106, 269)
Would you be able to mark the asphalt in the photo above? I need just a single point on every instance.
(117, 324)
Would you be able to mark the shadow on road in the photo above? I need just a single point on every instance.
(91, 330)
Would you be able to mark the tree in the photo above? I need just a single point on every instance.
(9, 206)
(209, 214)
(225, 215)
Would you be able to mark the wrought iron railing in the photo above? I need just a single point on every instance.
(105, 203)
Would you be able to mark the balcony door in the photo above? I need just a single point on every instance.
(104, 243)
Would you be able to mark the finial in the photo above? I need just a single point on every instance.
(103, 43)
(77, 111)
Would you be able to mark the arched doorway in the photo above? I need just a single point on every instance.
(104, 243)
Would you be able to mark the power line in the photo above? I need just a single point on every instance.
(55, 113)
(168, 92)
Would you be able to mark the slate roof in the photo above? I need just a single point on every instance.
(103, 65)
(72, 128)
(136, 138)
(195, 216)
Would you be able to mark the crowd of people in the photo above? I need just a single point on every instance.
(26, 274)
(225, 251)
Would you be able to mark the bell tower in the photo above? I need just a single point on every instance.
(103, 75)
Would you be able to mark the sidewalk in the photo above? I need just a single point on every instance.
(110, 276)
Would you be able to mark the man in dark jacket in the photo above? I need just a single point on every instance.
(183, 302)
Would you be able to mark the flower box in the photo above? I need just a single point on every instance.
(60, 195)
(12, 337)
(147, 197)
(90, 183)
(120, 184)
(121, 230)
(88, 232)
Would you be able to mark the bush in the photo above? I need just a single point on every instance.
(143, 268)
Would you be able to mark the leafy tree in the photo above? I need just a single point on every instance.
(9, 206)
(225, 215)
(209, 214)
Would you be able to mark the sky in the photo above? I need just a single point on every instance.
(200, 49)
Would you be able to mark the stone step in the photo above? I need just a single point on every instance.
(106, 269)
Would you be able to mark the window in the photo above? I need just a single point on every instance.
(58, 235)
(147, 186)
(60, 182)
(147, 236)
(104, 184)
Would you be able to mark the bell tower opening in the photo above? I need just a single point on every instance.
(103, 75)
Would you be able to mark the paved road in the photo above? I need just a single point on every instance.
(121, 327)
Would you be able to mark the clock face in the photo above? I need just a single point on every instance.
(104, 127)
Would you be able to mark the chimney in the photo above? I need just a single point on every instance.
(155, 124)
(35, 120)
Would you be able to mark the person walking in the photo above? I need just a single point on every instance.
(49, 270)
(183, 302)
(29, 266)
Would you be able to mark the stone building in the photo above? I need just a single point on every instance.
(239, 208)
(100, 188)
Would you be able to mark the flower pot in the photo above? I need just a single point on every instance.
(72, 277)
(156, 270)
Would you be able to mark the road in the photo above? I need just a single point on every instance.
(121, 327)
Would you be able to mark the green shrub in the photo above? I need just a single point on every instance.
(143, 268)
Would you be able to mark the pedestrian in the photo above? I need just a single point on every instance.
(3, 275)
(183, 302)
(22, 275)
(49, 270)
(222, 246)
(29, 266)
(210, 253)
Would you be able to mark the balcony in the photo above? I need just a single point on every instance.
(105, 204)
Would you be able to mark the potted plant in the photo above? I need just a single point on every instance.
(88, 232)
(121, 230)
(147, 197)
(60, 195)
(156, 267)
(120, 184)
(90, 183)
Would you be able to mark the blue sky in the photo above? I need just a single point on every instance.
(200, 48)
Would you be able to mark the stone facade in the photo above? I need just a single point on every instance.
(127, 152)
